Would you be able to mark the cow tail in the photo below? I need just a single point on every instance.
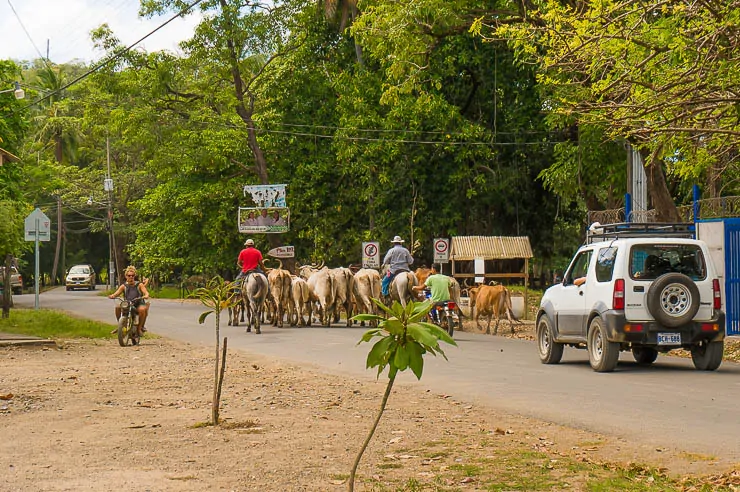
(509, 307)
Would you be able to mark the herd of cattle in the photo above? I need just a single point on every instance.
(321, 293)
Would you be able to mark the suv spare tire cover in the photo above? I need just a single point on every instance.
(673, 299)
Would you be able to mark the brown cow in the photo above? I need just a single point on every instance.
(491, 300)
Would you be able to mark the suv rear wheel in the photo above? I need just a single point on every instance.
(602, 354)
(550, 351)
(673, 299)
(707, 356)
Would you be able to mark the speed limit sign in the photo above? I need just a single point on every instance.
(441, 250)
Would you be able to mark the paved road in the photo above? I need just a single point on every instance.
(669, 404)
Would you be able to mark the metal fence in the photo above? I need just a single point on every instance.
(709, 208)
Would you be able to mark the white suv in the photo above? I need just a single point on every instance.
(647, 288)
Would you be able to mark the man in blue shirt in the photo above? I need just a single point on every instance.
(398, 259)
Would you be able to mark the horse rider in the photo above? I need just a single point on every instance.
(249, 260)
(398, 259)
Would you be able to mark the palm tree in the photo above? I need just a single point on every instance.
(344, 12)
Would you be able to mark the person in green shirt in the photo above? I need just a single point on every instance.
(439, 286)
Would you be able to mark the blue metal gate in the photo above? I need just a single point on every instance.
(732, 275)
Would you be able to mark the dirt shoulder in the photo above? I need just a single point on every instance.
(92, 415)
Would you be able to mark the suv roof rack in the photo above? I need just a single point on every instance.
(604, 232)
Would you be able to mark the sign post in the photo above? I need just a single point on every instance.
(37, 228)
(282, 252)
(441, 250)
(371, 254)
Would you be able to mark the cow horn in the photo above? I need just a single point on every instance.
(280, 263)
(321, 265)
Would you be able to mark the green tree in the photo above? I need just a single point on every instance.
(652, 74)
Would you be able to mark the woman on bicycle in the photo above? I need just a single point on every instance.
(135, 292)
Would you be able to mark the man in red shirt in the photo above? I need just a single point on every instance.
(250, 259)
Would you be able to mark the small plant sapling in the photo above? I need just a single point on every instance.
(404, 339)
(217, 295)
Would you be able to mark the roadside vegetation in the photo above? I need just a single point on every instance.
(48, 323)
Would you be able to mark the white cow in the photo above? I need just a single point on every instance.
(321, 286)
(367, 287)
(301, 302)
(343, 289)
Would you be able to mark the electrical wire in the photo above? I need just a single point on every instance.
(28, 35)
(111, 59)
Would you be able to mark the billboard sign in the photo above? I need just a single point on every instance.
(263, 220)
(267, 196)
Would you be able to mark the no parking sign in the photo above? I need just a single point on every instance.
(441, 250)
(371, 254)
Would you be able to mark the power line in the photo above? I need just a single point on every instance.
(28, 35)
(111, 59)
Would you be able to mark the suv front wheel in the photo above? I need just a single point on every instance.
(602, 354)
(550, 351)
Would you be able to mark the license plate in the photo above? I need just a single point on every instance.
(669, 339)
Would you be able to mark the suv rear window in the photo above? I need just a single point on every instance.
(650, 261)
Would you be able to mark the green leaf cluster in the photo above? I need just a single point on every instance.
(404, 338)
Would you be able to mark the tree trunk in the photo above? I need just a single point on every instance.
(6, 287)
(383, 403)
(245, 112)
(658, 189)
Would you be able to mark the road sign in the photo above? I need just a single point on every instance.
(371, 254)
(441, 250)
(37, 224)
(282, 252)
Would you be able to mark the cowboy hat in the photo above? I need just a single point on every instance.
(397, 239)
(249, 242)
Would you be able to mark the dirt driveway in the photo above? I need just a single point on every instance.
(91, 415)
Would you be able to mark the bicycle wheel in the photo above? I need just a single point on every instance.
(122, 331)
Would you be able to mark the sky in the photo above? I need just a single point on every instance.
(66, 25)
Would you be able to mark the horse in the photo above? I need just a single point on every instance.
(400, 288)
(254, 293)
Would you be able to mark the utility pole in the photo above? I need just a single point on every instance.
(108, 186)
(59, 240)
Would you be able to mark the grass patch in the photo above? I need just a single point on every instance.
(184, 478)
(47, 323)
(389, 466)
(246, 424)
(467, 470)
(200, 425)
(165, 292)
(698, 457)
